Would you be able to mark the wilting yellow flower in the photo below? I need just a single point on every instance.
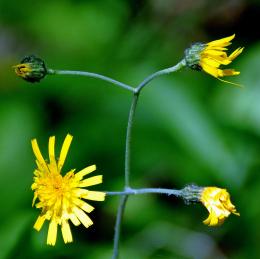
(217, 201)
(210, 56)
(61, 197)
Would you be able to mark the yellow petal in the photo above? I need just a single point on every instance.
(94, 196)
(212, 52)
(234, 54)
(64, 151)
(209, 69)
(34, 198)
(82, 216)
(211, 62)
(83, 205)
(39, 223)
(227, 72)
(85, 171)
(38, 154)
(222, 42)
(52, 233)
(52, 152)
(74, 219)
(91, 181)
(66, 232)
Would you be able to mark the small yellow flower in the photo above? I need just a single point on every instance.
(210, 56)
(61, 197)
(217, 201)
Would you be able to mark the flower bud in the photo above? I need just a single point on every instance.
(31, 69)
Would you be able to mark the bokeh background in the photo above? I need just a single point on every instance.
(189, 127)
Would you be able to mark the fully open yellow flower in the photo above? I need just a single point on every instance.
(217, 201)
(210, 56)
(61, 197)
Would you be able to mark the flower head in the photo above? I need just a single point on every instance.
(31, 69)
(210, 56)
(217, 201)
(60, 198)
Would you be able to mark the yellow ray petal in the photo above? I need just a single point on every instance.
(83, 205)
(222, 42)
(91, 181)
(52, 233)
(39, 223)
(212, 52)
(35, 196)
(85, 171)
(38, 154)
(209, 69)
(211, 62)
(83, 217)
(66, 232)
(64, 151)
(94, 196)
(234, 54)
(52, 152)
(74, 219)
(227, 72)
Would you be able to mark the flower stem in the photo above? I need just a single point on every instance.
(93, 75)
(119, 217)
(121, 207)
(129, 138)
(130, 191)
(178, 66)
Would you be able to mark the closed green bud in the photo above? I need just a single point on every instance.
(31, 69)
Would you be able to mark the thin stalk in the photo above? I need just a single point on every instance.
(169, 70)
(130, 191)
(119, 217)
(129, 138)
(93, 75)
(122, 204)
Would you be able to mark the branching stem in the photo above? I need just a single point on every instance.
(122, 204)
(128, 190)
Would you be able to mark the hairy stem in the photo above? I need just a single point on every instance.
(93, 75)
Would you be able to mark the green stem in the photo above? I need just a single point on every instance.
(129, 138)
(136, 94)
(130, 191)
(169, 70)
(119, 217)
(93, 75)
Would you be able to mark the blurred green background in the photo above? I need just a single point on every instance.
(189, 127)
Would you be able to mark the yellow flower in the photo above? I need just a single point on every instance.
(210, 56)
(217, 201)
(61, 197)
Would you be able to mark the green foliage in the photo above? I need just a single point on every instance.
(189, 127)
